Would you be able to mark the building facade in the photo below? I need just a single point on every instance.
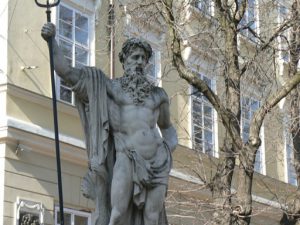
(91, 33)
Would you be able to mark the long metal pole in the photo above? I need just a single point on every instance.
(58, 164)
(111, 22)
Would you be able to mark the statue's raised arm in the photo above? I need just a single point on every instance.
(62, 68)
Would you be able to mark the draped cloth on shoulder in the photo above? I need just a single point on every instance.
(91, 97)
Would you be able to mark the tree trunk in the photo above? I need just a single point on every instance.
(221, 186)
(243, 208)
(292, 215)
(222, 181)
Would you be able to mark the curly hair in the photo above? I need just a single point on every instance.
(132, 43)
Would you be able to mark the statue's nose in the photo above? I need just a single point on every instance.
(140, 60)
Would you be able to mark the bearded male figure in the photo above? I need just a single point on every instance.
(129, 136)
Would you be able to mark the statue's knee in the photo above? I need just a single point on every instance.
(116, 216)
(151, 218)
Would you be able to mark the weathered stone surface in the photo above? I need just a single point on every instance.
(129, 137)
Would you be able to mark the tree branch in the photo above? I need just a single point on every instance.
(192, 78)
(260, 114)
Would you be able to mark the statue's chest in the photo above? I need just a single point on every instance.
(122, 110)
(122, 98)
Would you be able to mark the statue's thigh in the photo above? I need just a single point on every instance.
(122, 183)
(155, 199)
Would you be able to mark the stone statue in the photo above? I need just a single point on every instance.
(129, 136)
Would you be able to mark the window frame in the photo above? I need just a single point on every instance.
(215, 152)
(207, 9)
(156, 57)
(284, 56)
(288, 143)
(73, 213)
(29, 207)
(261, 149)
(90, 44)
(245, 20)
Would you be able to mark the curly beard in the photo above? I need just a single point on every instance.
(137, 86)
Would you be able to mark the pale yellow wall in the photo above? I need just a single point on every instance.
(37, 110)
(274, 145)
(26, 47)
(32, 176)
(178, 91)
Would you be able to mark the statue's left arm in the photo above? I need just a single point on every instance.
(164, 122)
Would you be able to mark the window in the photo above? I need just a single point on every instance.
(73, 217)
(249, 106)
(203, 121)
(284, 38)
(206, 6)
(289, 160)
(250, 20)
(73, 38)
(153, 68)
(29, 212)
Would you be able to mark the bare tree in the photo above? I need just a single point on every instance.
(237, 66)
(292, 213)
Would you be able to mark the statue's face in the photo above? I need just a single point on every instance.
(136, 61)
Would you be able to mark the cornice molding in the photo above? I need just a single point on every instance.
(36, 98)
(36, 139)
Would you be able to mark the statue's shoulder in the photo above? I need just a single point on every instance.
(114, 86)
(92, 71)
(160, 94)
(116, 82)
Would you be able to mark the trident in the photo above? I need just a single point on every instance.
(48, 12)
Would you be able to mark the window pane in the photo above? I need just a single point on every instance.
(258, 159)
(66, 49)
(207, 111)
(197, 120)
(79, 65)
(208, 148)
(208, 123)
(198, 133)
(81, 22)
(81, 55)
(245, 102)
(208, 136)
(208, 81)
(196, 93)
(80, 220)
(291, 174)
(197, 107)
(65, 29)
(203, 5)
(65, 14)
(246, 127)
(246, 114)
(65, 94)
(81, 36)
(67, 218)
(254, 105)
(198, 146)
(150, 70)
(257, 166)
